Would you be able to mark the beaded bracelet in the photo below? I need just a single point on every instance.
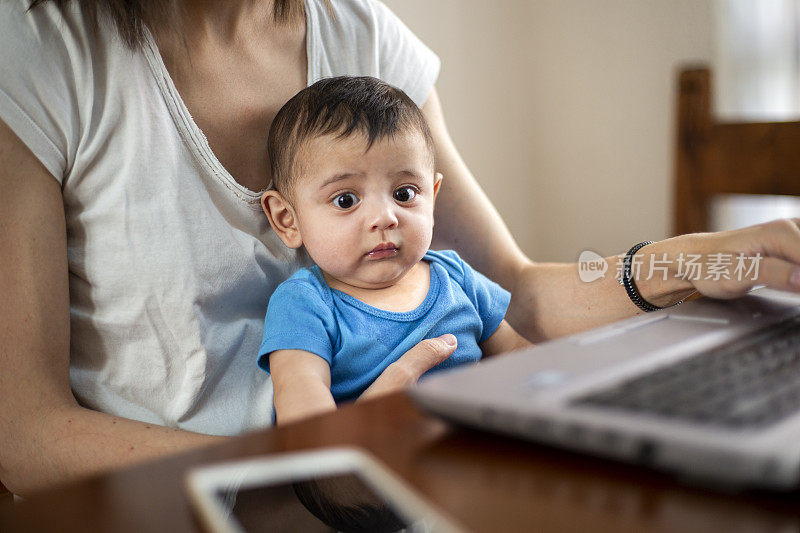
(627, 280)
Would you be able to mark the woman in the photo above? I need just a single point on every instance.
(135, 263)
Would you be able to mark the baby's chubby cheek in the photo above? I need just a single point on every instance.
(331, 255)
(419, 236)
(339, 257)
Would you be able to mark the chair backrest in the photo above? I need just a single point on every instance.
(726, 157)
(6, 498)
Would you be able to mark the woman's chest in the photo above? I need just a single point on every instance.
(236, 125)
(233, 98)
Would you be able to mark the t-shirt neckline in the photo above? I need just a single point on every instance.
(188, 129)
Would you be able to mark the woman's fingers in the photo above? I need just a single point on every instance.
(770, 253)
(779, 274)
(427, 354)
(785, 239)
(407, 370)
(771, 271)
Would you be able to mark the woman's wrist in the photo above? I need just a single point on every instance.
(659, 270)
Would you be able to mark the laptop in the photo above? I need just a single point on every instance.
(708, 390)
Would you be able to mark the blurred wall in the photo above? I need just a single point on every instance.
(563, 109)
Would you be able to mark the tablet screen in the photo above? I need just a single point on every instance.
(340, 502)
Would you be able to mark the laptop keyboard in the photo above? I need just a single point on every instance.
(751, 383)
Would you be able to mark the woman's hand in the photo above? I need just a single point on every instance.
(766, 254)
(407, 370)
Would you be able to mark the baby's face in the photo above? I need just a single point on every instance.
(365, 218)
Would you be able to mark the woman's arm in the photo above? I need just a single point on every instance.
(45, 436)
(549, 300)
(302, 385)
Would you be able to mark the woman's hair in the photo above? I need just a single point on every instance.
(132, 16)
(340, 107)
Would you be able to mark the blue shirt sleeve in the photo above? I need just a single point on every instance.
(297, 319)
(490, 299)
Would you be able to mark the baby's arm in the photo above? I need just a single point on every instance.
(302, 384)
(504, 339)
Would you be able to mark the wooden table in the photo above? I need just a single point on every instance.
(485, 482)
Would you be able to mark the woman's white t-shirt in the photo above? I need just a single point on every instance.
(171, 262)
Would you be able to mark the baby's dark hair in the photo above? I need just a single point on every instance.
(339, 106)
(345, 503)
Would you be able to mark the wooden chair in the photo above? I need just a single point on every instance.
(6, 498)
(726, 157)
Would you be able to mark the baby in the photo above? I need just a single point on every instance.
(353, 172)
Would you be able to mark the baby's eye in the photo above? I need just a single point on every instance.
(405, 194)
(345, 200)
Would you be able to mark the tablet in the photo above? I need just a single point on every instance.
(333, 489)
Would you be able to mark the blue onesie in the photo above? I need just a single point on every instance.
(359, 341)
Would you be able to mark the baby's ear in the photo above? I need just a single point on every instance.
(437, 182)
(282, 218)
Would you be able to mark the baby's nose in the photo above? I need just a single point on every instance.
(384, 219)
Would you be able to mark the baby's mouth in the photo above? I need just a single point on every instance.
(384, 249)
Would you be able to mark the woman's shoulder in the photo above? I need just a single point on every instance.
(364, 12)
(364, 38)
(43, 26)
(51, 40)
(349, 24)
(61, 64)
(366, 21)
